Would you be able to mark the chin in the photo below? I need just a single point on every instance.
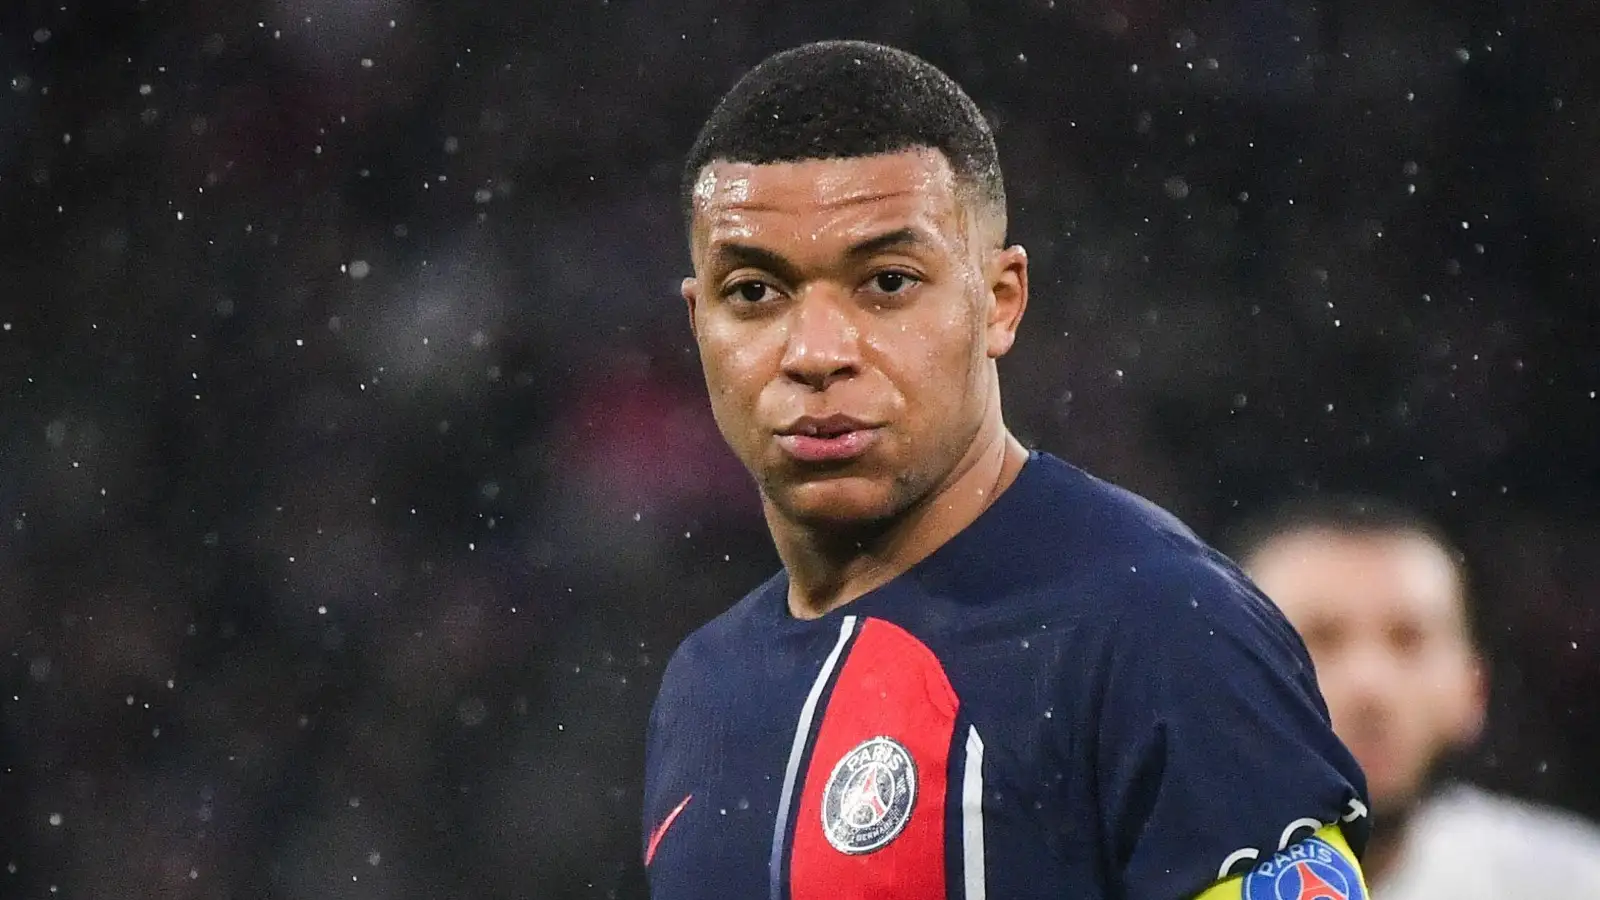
(842, 503)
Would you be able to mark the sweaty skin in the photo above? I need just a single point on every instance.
(873, 288)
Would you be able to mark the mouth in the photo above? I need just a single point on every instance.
(828, 439)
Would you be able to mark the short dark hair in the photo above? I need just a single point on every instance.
(841, 100)
(1350, 514)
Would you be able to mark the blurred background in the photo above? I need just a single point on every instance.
(356, 480)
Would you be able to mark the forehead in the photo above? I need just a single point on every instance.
(1326, 574)
(817, 199)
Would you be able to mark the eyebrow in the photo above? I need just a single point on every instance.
(734, 255)
(900, 237)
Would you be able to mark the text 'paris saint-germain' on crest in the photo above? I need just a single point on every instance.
(1310, 870)
(869, 796)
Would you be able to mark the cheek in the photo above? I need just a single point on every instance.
(737, 366)
(930, 356)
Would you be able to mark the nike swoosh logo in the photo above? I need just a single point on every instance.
(655, 836)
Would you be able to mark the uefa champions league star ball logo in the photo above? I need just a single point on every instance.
(1310, 870)
(869, 796)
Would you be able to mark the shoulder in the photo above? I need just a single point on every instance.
(1501, 844)
(1512, 824)
(1134, 573)
(717, 644)
(730, 631)
(1062, 503)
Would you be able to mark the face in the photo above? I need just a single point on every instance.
(1382, 616)
(848, 314)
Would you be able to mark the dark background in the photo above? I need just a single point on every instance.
(356, 480)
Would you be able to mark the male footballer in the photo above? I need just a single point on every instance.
(981, 672)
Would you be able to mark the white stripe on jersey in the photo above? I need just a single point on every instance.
(972, 817)
(796, 750)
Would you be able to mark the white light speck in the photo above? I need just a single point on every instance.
(359, 269)
(366, 63)
(180, 216)
(322, 610)
(55, 819)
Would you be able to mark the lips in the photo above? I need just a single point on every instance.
(825, 439)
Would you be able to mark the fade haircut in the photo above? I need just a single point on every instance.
(1353, 515)
(843, 100)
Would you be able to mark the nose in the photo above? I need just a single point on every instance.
(1369, 676)
(824, 341)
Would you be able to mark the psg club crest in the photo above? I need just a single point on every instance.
(1310, 870)
(869, 796)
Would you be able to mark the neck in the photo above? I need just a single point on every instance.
(829, 569)
(1386, 844)
(1384, 848)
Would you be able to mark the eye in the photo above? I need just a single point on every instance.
(1406, 638)
(893, 282)
(751, 292)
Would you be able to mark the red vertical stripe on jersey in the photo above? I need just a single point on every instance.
(890, 686)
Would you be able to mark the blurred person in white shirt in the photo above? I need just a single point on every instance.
(1381, 597)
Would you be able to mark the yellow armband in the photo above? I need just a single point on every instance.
(1320, 867)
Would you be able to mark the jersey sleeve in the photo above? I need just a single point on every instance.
(1214, 749)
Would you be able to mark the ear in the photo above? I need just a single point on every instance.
(1475, 702)
(1007, 273)
(691, 296)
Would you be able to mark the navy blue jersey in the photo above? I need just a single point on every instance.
(1072, 698)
